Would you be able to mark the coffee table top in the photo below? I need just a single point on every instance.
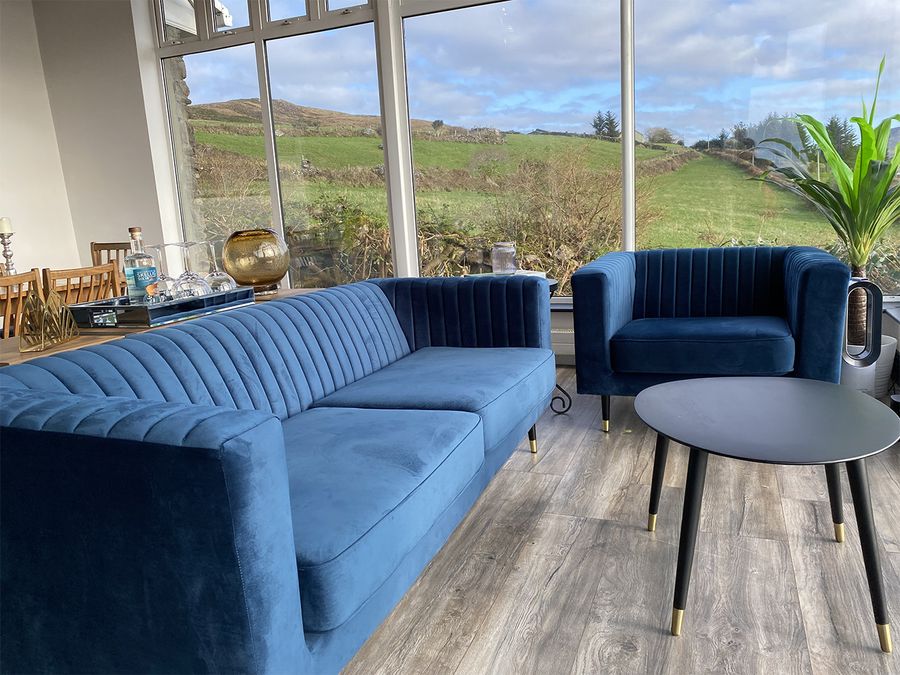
(776, 420)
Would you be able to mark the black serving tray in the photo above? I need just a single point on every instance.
(120, 312)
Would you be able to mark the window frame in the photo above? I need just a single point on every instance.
(387, 16)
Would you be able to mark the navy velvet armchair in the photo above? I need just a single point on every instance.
(646, 317)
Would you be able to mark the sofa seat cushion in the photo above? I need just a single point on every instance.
(365, 487)
(741, 345)
(498, 383)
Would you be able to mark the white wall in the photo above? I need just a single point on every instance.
(91, 67)
(32, 190)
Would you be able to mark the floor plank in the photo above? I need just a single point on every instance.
(553, 569)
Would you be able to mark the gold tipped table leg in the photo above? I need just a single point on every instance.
(677, 619)
(884, 637)
(839, 533)
(651, 522)
(605, 425)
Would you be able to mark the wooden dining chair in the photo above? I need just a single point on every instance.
(84, 284)
(103, 252)
(14, 289)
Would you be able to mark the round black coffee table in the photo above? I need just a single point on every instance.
(775, 420)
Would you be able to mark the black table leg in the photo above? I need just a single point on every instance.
(604, 411)
(862, 504)
(561, 404)
(690, 520)
(833, 477)
(659, 472)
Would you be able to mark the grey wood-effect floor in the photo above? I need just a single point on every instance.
(553, 570)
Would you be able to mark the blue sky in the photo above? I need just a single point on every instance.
(700, 64)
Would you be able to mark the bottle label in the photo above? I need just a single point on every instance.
(141, 282)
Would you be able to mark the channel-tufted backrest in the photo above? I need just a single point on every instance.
(276, 357)
(735, 281)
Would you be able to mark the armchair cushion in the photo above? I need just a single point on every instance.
(366, 485)
(497, 383)
(745, 345)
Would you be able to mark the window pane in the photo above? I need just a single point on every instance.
(230, 14)
(343, 4)
(286, 9)
(180, 22)
(218, 141)
(330, 159)
(721, 77)
(503, 101)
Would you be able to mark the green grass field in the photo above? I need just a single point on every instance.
(704, 202)
(335, 152)
(709, 201)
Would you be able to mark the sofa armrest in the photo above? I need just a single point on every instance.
(162, 531)
(603, 300)
(475, 311)
(815, 288)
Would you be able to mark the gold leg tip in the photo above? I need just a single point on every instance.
(677, 618)
(839, 533)
(605, 425)
(884, 637)
(533, 445)
(651, 523)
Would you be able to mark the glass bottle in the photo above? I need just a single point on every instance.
(503, 257)
(140, 270)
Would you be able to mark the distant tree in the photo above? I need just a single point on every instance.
(723, 137)
(610, 125)
(741, 134)
(437, 125)
(599, 123)
(660, 135)
(842, 136)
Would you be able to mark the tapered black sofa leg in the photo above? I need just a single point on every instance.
(532, 439)
(604, 404)
(659, 472)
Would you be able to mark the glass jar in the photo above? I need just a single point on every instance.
(503, 257)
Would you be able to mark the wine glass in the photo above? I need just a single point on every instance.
(189, 283)
(165, 284)
(217, 279)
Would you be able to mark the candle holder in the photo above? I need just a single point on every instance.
(8, 266)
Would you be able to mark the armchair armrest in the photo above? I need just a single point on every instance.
(815, 289)
(603, 300)
(161, 531)
(476, 311)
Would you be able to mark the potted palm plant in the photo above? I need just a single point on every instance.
(861, 202)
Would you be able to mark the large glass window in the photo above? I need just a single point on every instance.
(330, 155)
(220, 158)
(514, 110)
(720, 77)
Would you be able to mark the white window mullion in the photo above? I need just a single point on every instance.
(268, 123)
(626, 27)
(398, 163)
(203, 12)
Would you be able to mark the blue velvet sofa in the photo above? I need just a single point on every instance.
(646, 317)
(255, 491)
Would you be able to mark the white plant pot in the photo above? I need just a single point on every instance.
(884, 365)
(861, 379)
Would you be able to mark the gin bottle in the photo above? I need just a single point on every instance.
(140, 270)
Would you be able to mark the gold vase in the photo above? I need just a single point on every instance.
(257, 258)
